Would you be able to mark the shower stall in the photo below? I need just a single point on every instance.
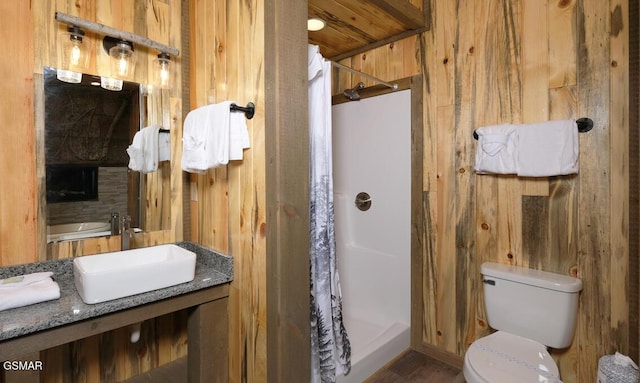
(372, 196)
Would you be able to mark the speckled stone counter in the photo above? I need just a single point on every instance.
(212, 269)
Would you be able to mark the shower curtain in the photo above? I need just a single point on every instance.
(330, 347)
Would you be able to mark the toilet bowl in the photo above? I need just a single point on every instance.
(503, 357)
(531, 310)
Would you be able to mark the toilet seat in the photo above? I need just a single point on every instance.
(503, 357)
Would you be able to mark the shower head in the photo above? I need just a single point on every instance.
(352, 94)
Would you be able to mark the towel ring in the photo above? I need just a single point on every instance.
(585, 124)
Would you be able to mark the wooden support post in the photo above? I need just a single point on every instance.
(208, 343)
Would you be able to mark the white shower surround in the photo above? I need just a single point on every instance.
(372, 153)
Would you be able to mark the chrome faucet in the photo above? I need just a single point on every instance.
(126, 232)
(115, 223)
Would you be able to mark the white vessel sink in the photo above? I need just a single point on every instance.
(103, 277)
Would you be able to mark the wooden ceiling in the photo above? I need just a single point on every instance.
(354, 26)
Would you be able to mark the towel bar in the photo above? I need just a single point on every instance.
(249, 111)
(584, 125)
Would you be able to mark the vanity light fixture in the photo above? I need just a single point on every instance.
(163, 71)
(119, 46)
(123, 60)
(73, 55)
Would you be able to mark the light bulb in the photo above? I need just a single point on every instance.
(123, 66)
(122, 60)
(164, 75)
(76, 54)
(163, 71)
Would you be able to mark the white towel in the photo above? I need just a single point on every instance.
(143, 151)
(496, 150)
(238, 136)
(193, 140)
(548, 149)
(206, 138)
(24, 290)
(212, 136)
(164, 147)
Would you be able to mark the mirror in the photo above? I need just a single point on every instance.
(87, 130)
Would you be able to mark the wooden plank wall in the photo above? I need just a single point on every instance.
(32, 44)
(521, 61)
(18, 211)
(228, 208)
(634, 176)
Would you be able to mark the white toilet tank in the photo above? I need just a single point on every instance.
(534, 304)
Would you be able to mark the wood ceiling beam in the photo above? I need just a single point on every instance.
(403, 11)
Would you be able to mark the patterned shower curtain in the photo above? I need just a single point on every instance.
(330, 347)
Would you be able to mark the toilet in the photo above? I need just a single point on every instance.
(531, 310)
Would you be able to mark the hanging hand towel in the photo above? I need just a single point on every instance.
(164, 147)
(238, 136)
(213, 135)
(136, 156)
(496, 149)
(143, 151)
(24, 290)
(196, 127)
(206, 138)
(548, 149)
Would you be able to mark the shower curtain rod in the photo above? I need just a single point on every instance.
(340, 66)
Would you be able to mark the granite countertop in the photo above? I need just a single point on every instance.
(212, 269)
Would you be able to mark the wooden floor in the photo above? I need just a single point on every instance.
(412, 367)
(416, 367)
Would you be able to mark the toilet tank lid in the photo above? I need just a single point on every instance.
(532, 277)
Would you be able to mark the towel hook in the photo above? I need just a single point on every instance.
(585, 124)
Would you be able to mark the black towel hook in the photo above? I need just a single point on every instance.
(585, 124)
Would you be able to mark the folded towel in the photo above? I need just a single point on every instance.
(164, 147)
(496, 151)
(143, 151)
(212, 136)
(27, 289)
(136, 155)
(206, 138)
(238, 136)
(193, 140)
(548, 149)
